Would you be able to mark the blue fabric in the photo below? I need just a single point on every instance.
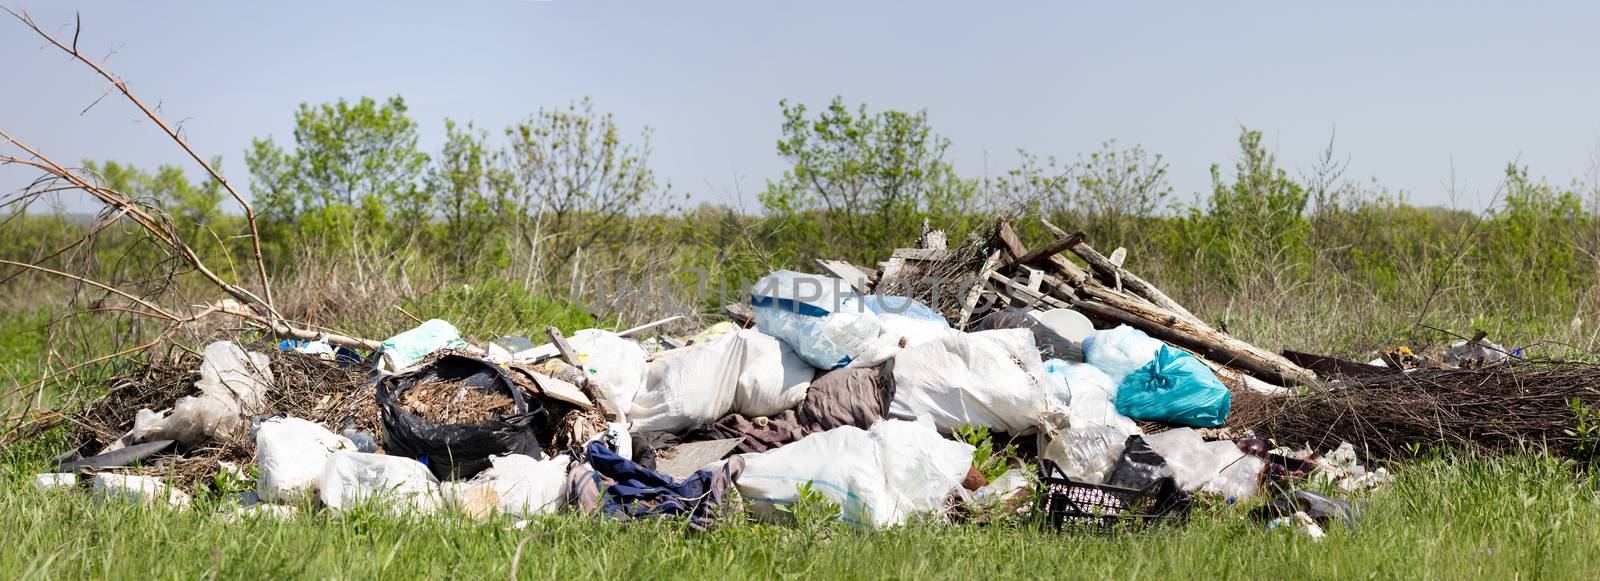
(1175, 388)
(636, 491)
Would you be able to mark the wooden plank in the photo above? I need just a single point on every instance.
(648, 326)
(1044, 252)
(858, 278)
(975, 293)
(1113, 274)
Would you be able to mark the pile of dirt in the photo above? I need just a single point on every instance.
(454, 402)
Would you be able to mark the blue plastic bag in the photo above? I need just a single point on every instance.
(1175, 388)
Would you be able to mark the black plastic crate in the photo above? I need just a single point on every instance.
(1097, 508)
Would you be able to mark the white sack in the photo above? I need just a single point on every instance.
(772, 377)
(613, 363)
(878, 478)
(990, 378)
(290, 456)
(353, 478)
(1119, 351)
(233, 386)
(514, 484)
(920, 468)
(820, 317)
(687, 390)
(147, 490)
(897, 333)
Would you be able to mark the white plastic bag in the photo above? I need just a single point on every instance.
(820, 317)
(147, 490)
(615, 364)
(690, 389)
(1090, 396)
(353, 478)
(1238, 480)
(772, 377)
(990, 378)
(1193, 460)
(233, 386)
(290, 456)
(1119, 351)
(878, 478)
(1087, 453)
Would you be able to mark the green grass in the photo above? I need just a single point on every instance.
(1450, 517)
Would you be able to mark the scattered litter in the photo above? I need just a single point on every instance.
(147, 490)
(233, 386)
(52, 481)
(125, 456)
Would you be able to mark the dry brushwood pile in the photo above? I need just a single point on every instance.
(1503, 408)
(454, 402)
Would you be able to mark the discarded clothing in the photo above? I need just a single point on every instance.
(624, 489)
(844, 397)
(760, 433)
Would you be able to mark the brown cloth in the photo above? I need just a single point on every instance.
(760, 434)
(844, 397)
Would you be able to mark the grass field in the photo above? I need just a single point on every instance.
(1448, 517)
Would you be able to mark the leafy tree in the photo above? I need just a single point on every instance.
(346, 156)
(468, 190)
(575, 181)
(1256, 222)
(871, 178)
(1106, 193)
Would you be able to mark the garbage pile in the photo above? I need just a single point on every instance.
(1104, 403)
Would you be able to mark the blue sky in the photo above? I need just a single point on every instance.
(1416, 93)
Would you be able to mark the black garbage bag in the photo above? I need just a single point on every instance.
(1139, 466)
(1050, 343)
(454, 451)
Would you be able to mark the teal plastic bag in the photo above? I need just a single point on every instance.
(1175, 388)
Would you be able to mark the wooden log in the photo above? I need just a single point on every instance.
(1210, 338)
(1045, 252)
(1205, 346)
(1115, 275)
(1073, 274)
